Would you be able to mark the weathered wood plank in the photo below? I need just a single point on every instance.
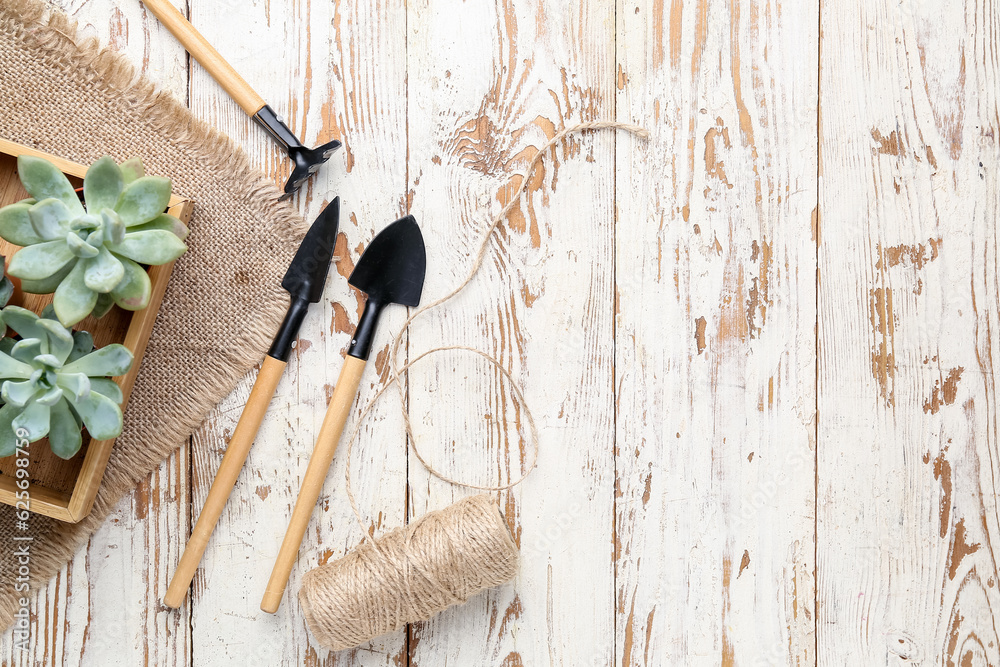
(908, 298)
(670, 357)
(488, 82)
(104, 608)
(714, 363)
(333, 71)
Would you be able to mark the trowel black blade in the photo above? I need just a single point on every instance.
(392, 267)
(391, 270)
(306, 275)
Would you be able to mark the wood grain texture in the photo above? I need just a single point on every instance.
(908, 333)
(103, 608)
(714, 364)
(505, 77)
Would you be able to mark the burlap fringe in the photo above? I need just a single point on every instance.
(56, 35)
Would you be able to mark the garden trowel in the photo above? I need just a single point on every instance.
(304, 281)
(391, 270)
(307, 160)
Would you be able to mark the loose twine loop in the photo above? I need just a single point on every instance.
(398, 371)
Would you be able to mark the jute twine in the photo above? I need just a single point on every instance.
(445, 557)
(442, 559)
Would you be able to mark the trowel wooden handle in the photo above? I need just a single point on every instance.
(312, 483)
(229, 471)
(206, 55)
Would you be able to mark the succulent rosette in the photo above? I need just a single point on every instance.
(91, 257)
(55, 382)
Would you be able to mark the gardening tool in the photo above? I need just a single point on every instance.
(391, 270)
(307, 160)
(304, 281)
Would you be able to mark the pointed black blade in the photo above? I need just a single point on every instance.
(391, 269)
(306, 274)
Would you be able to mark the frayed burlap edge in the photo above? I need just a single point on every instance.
(56, 37)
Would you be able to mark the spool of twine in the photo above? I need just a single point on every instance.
(409, 574)
(445, 557)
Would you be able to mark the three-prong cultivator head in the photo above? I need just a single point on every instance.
(307, 160)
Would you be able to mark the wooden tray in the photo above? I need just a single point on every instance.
(65, 490)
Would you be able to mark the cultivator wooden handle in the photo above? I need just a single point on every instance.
(206, 55)
(306, 161)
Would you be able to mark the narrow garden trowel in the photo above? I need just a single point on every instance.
(391, 270)
(304, 281)
(307, 160)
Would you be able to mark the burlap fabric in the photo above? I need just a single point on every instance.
(75, 100)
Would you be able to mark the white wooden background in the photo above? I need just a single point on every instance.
(761, 347)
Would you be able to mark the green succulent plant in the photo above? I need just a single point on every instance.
(54, 382)
(91, 257)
